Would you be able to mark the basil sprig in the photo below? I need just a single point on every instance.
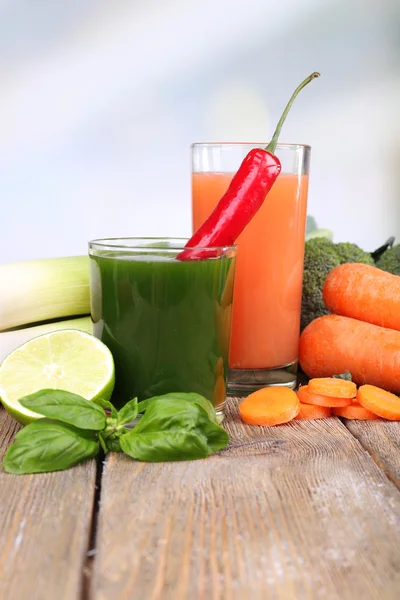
(176, 426)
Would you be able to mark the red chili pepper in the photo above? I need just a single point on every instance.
(245, 195)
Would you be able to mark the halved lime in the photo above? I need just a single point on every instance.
(68, 360)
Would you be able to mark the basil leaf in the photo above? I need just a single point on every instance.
(165, 445)
(128, 413)
(174, 430)
(188, 397)
(107, 404)
(48, 445)
(66, 407)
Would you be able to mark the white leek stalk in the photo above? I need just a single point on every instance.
(40, 290)
(10, 340)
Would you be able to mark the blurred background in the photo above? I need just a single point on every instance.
(101, 99)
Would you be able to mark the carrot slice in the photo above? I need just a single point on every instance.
(270, 406)
(312, 411)
(355, 411)
(320, 400)
(330, 386)
(382, 403)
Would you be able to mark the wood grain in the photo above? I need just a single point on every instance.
(291, 512)
(44, 528)
(382, 440)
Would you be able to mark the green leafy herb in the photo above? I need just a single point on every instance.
(164, 446)
(187, 397)
(346, 376)
(176, 429)
(128, 413)
(109, 437)
(174, 426)
(66, 407)
(49, 445)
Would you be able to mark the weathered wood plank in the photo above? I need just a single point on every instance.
(382, 440)
(45, 524)
(290, 512)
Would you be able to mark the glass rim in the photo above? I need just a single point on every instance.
(142, 243)
(261, 145)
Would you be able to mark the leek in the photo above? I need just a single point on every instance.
(10, 340)
(40, 290)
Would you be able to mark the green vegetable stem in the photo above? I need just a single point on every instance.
(176, 426)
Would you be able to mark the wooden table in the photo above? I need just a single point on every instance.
(305, 510)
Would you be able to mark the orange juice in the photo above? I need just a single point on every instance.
(269, 270)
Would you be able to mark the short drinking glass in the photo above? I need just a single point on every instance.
(166, 321)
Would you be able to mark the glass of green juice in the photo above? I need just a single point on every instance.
(166, 321)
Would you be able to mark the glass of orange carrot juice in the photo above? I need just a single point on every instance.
(269, 267)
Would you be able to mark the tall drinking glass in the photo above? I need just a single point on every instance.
(269, 270)
(167, 322)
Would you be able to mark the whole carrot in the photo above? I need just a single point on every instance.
(365, 293)
(333, 344)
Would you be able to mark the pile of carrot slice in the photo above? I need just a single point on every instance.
(321, 398)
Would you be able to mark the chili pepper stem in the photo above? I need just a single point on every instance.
(273, 143)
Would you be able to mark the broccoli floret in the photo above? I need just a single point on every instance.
(352, 253)
(390, 260)
(320, 257)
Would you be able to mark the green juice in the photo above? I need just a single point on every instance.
(167, 322)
